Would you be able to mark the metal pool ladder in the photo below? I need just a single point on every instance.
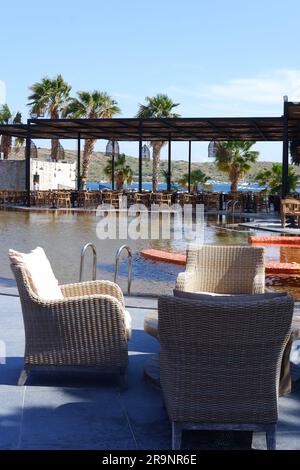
(231, 204)
(83, 251)
(129, 277)
(238, 204)
(117, 259)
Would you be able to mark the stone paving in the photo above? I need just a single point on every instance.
(86, 411)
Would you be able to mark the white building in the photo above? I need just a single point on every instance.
(50, 175)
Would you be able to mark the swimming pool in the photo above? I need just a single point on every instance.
(62, 235)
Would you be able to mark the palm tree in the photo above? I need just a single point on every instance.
(273, 178)
(197, 177)
(94, 105)
(235, 158)
(50, 96)
(7, 117)
(19, 141)
(123, 172)
(295, 152)
(159, 106)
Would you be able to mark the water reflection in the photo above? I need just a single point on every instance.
(63, 234)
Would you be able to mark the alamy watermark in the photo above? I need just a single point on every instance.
(159, 222)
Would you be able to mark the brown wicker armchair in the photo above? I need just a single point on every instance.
(223, 270)
(220, 363)
(87, 328)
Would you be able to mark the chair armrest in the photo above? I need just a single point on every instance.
(91, 288)
(78, 314)
(186, 281)
(87, 330)
(70, 304)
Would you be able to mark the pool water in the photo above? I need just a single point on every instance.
(62, 235)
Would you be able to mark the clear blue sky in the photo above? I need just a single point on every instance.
(214, 57)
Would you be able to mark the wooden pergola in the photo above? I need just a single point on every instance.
(283, 129)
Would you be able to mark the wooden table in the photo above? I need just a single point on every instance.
(151, 369)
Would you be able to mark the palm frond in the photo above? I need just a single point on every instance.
(158, 106)
(272, 178)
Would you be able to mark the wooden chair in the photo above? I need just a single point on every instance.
(211, 201)
(112, 198)
(33, 198)
(261, 202)
(80, 199)
(187, 198)
(90, 199)
(143, 198)
(63, 199)
(290, 207)
(162, 199)
(20, 197)
(130, 197)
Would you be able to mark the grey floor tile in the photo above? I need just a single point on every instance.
(75, 411)
(285, 441)
(11, 401)
(289, 413)
(74, 419)
(142, 302)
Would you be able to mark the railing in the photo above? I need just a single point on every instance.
(236, 203)
(129, 276)
(83, 251)
(232, 204)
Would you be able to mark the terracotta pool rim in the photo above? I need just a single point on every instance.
(271, 240)
(161, 256)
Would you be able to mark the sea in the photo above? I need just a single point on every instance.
(147, 186)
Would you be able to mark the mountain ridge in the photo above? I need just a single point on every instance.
(99, 160)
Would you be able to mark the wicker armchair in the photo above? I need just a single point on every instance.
(223, 270)
(220, 363)
(86, 329)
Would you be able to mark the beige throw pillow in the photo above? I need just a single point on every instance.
(39, 273)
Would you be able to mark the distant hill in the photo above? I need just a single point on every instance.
(179, 167)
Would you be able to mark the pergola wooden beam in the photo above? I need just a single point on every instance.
(274, 129)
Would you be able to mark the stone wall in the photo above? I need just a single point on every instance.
(52, 175)
(12, 174)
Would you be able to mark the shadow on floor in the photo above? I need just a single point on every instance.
(84, 410)
(7, 282)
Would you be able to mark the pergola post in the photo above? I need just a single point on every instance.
(169, 164)
(27, 161)
(78, 163)
(285, 150)
(189, 166)
(140, 158)
(113, 166)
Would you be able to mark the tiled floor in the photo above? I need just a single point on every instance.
(85, 411)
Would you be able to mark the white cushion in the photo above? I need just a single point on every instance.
(127, 318)
(39, 272)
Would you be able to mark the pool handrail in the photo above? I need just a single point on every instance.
(82, 255)
(129, 275)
